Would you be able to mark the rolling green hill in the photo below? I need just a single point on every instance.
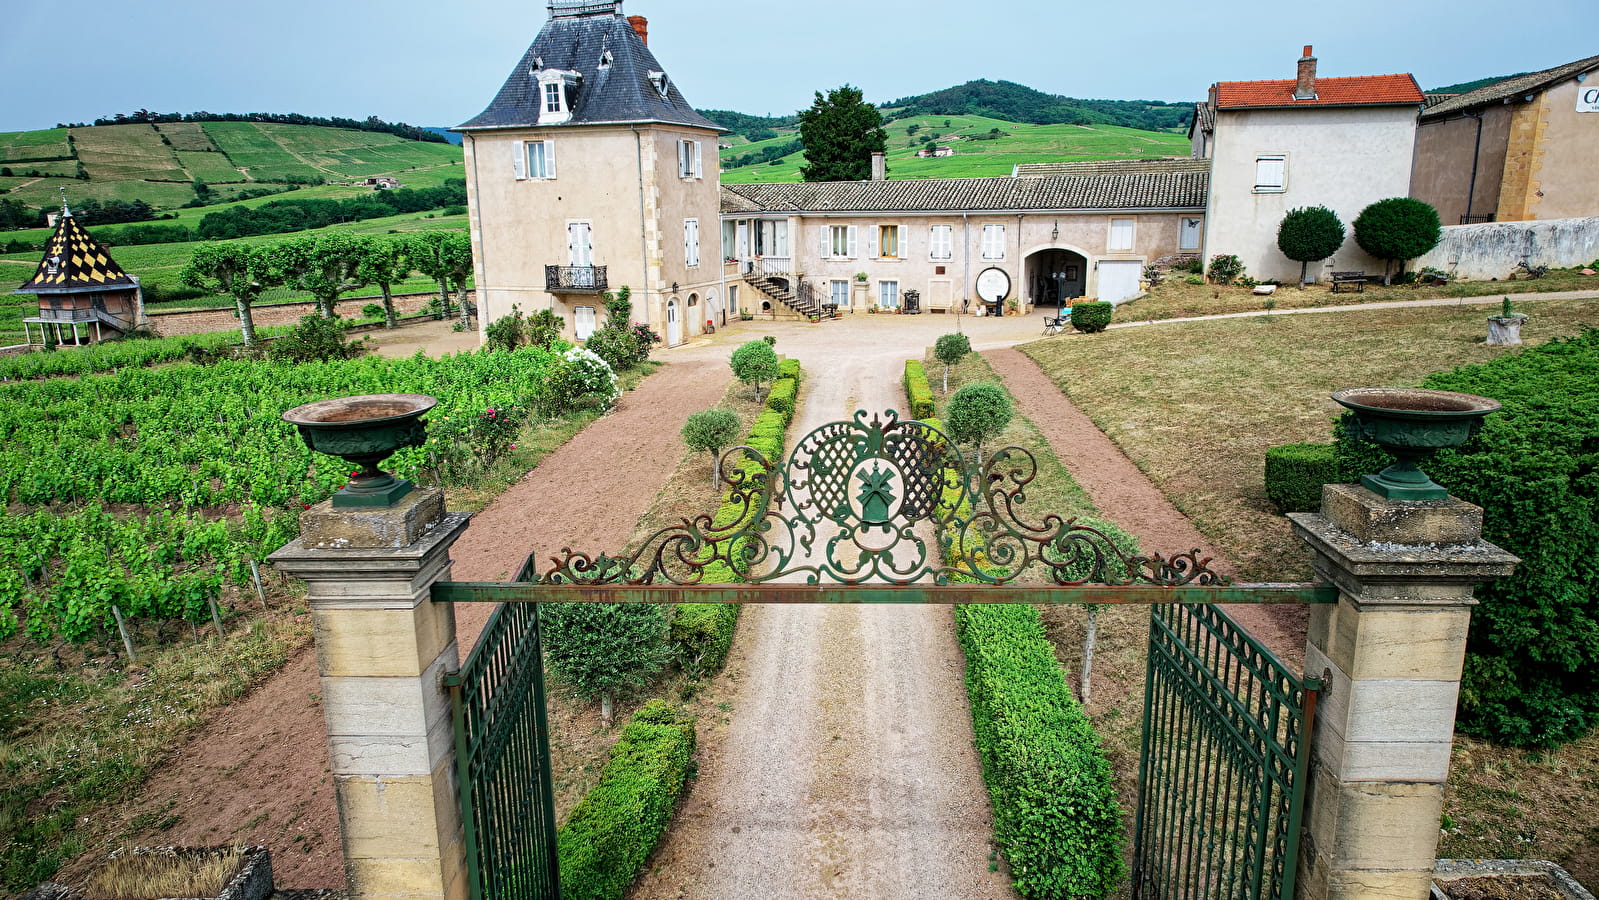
(162, 163)
(1018, 103)
(975, 155)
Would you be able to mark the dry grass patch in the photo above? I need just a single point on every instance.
(1176, 299)
(1196, 405)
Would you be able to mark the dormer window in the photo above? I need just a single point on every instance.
(556, 91)
(606, 59)
(659, 80)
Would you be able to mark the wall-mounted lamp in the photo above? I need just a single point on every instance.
(1054, 233)
(674, 287)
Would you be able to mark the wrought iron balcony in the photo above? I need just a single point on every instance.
(575, 279)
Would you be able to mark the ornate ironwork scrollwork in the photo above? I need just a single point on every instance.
(869, 501)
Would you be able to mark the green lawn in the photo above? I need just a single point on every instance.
(1020, 144)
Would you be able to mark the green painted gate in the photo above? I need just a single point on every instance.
(850, 517)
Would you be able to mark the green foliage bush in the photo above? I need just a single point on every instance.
(1224, 267)
(1055, 812)
(782, 396)
(1533, 654)
(611, 832)
(315, 339)
(580, 380)
(1295, 474)
(789, 368)
(508, 332)
(918, 391)
(950, 349)
(603, 649)
(619, 347)
(1092, 316)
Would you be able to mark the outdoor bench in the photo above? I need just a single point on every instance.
(1358, 279)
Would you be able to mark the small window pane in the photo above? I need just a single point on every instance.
(552, 98)
(1269, 171)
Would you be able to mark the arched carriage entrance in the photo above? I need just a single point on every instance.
(1056, 276)
(846, 519)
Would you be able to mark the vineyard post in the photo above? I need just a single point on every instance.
(216, 617)
(127, 642)
(382, 649)
(255, 573)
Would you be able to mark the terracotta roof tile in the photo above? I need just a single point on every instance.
(1360, 90)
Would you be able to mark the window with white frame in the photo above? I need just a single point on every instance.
(1121, 234)
(891, 241)
(691, 242)
(689, 159)
(1270, 173)
(534, 159)
(993, 242)
(552, 97)
(943, 242)
(839, 290)
(1188, 233)
(839, 241)
(888, 294)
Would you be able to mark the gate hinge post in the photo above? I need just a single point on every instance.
(383, 651)
(1391, 652)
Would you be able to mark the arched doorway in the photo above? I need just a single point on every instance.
(674, 331)
(1055, 277)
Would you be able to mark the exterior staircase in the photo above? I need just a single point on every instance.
(802, 303)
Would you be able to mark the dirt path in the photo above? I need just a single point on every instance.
(259, 771)
(1125, 496)
(848, 769)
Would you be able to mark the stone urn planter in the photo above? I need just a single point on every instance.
(1412, 424)
(1504, 879)
(364, 431)
(1504, 330)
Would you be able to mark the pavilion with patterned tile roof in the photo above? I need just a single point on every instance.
(79, 286)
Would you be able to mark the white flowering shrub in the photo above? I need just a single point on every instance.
(581, 380)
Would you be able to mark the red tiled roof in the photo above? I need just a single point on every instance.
(1361, 90)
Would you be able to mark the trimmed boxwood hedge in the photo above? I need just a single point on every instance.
(1295, 474)
(782, 396)
(1055, 812)
(702, 633)
(1532, 656)
(918, 391)
(611, 832)
(1091, 316)
(788, 368)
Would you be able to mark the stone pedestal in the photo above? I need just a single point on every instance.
(382, 647)
(1390, 653)
(1505, 331)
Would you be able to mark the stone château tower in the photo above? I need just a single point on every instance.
(590, 171)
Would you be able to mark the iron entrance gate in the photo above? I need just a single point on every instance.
(862, 497)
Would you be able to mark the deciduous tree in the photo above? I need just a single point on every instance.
(324, 267)
(977, 413)
(950, 350)
(234, 268)
(841, 132)
(383, 263)
(711, 430)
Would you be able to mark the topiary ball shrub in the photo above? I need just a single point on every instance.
(753, 363)
(1398, 228)
(978, 412)
(1091, 317)
(1295, 474)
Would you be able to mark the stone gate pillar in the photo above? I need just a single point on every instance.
(1391, 652)
(381, 649)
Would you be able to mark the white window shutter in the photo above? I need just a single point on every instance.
(571, 243)
(699, 172)
(519, 159)
(588, 241)
(826, 248)
(899, 243)
(549, 159)
(853, 243)
(871, 241)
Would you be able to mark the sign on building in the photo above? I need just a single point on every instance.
(1587, 98)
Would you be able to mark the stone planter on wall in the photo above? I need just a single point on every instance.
(1457, 879)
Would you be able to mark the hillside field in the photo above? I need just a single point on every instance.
(160, 164)
(1019, 143)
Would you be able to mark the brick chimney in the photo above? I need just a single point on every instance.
(879, 167)
(642, 26)
(1305, 86)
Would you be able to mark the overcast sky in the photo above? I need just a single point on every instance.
(439, 63)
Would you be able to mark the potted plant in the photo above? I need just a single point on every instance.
(1504, 330)
(861, 277)
(1013, 306)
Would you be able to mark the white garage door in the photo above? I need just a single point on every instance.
(1119, 280)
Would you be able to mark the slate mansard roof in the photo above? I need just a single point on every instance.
(618, 93)
(1509, 89)
(74, 262)
(1143, 190)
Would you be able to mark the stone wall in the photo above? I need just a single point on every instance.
(205, 321)
(1492, 249)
